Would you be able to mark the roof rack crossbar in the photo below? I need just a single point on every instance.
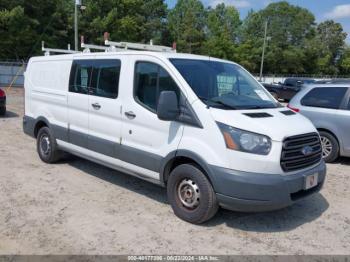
(48, 51)
(87, 47)
(136, 46)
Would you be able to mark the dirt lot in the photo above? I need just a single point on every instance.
(78, 207)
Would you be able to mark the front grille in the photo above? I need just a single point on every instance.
(293, 158)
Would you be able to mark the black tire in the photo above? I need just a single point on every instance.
(2, 111)
(47, 146)
(206, 205)
(332, 153)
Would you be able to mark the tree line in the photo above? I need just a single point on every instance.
(296, 43)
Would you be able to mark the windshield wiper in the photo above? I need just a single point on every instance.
(220, 102)
(209, 102)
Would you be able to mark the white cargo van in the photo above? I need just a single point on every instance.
(202, 127)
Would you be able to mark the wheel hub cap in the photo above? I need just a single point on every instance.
(188, 193)
(45, 145)
(326, 146)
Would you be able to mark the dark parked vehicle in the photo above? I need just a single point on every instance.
(2, 102)
(288, 88)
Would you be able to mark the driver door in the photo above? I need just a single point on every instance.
(146, 140)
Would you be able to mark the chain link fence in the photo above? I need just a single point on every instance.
(12, 73)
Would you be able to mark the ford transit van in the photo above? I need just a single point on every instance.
(204, 128)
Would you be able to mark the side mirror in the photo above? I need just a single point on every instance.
(168, 106)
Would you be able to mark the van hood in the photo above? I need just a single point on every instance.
(270, 122)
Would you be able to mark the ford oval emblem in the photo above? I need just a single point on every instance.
(307, 150)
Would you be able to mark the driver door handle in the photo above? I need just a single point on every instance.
(96, 106)
(130, 114)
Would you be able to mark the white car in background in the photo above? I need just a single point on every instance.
(328, 108)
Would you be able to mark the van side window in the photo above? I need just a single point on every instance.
(325, 97)
(105, 78)
(80, 76)
(150, 80)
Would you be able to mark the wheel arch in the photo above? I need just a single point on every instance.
(178, 157)
(340, 144)
(40, 123)
(330, 132)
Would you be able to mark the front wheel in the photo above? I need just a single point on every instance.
(191, 194)
(330, 147)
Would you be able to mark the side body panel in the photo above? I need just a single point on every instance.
(46, 86)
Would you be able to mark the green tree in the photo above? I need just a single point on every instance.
(289, 27)
(24, 24)
(222, 31)
(331, 41)
(16, 33)
(344, 62)
(125, 20)
(186, 25)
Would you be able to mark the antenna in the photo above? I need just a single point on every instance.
(48, 51)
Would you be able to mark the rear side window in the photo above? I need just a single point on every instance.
(105, 78)
(326, 97)
(80, 76)
(150, 80)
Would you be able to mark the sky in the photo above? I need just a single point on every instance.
(338, 10)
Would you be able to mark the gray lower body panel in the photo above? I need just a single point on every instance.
(109, 148)
(252, 192)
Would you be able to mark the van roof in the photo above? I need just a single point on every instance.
(167, 55)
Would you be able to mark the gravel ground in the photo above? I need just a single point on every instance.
(78, 207)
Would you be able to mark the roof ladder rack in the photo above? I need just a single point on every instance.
(135, 46)
(48, 51)
(88, 47)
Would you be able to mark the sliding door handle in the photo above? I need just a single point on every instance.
(130, 114)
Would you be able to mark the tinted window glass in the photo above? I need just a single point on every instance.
(349, 105)
(80, 76)
(150, 80)
(105, 78)
(326, 97)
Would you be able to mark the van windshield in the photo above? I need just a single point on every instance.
(223, 85)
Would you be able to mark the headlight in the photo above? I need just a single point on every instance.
(241, 140)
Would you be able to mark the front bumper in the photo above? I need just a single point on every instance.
(256, 192)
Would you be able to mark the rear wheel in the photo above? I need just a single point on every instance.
(47, 146)
(330, 147)
(191, 194)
